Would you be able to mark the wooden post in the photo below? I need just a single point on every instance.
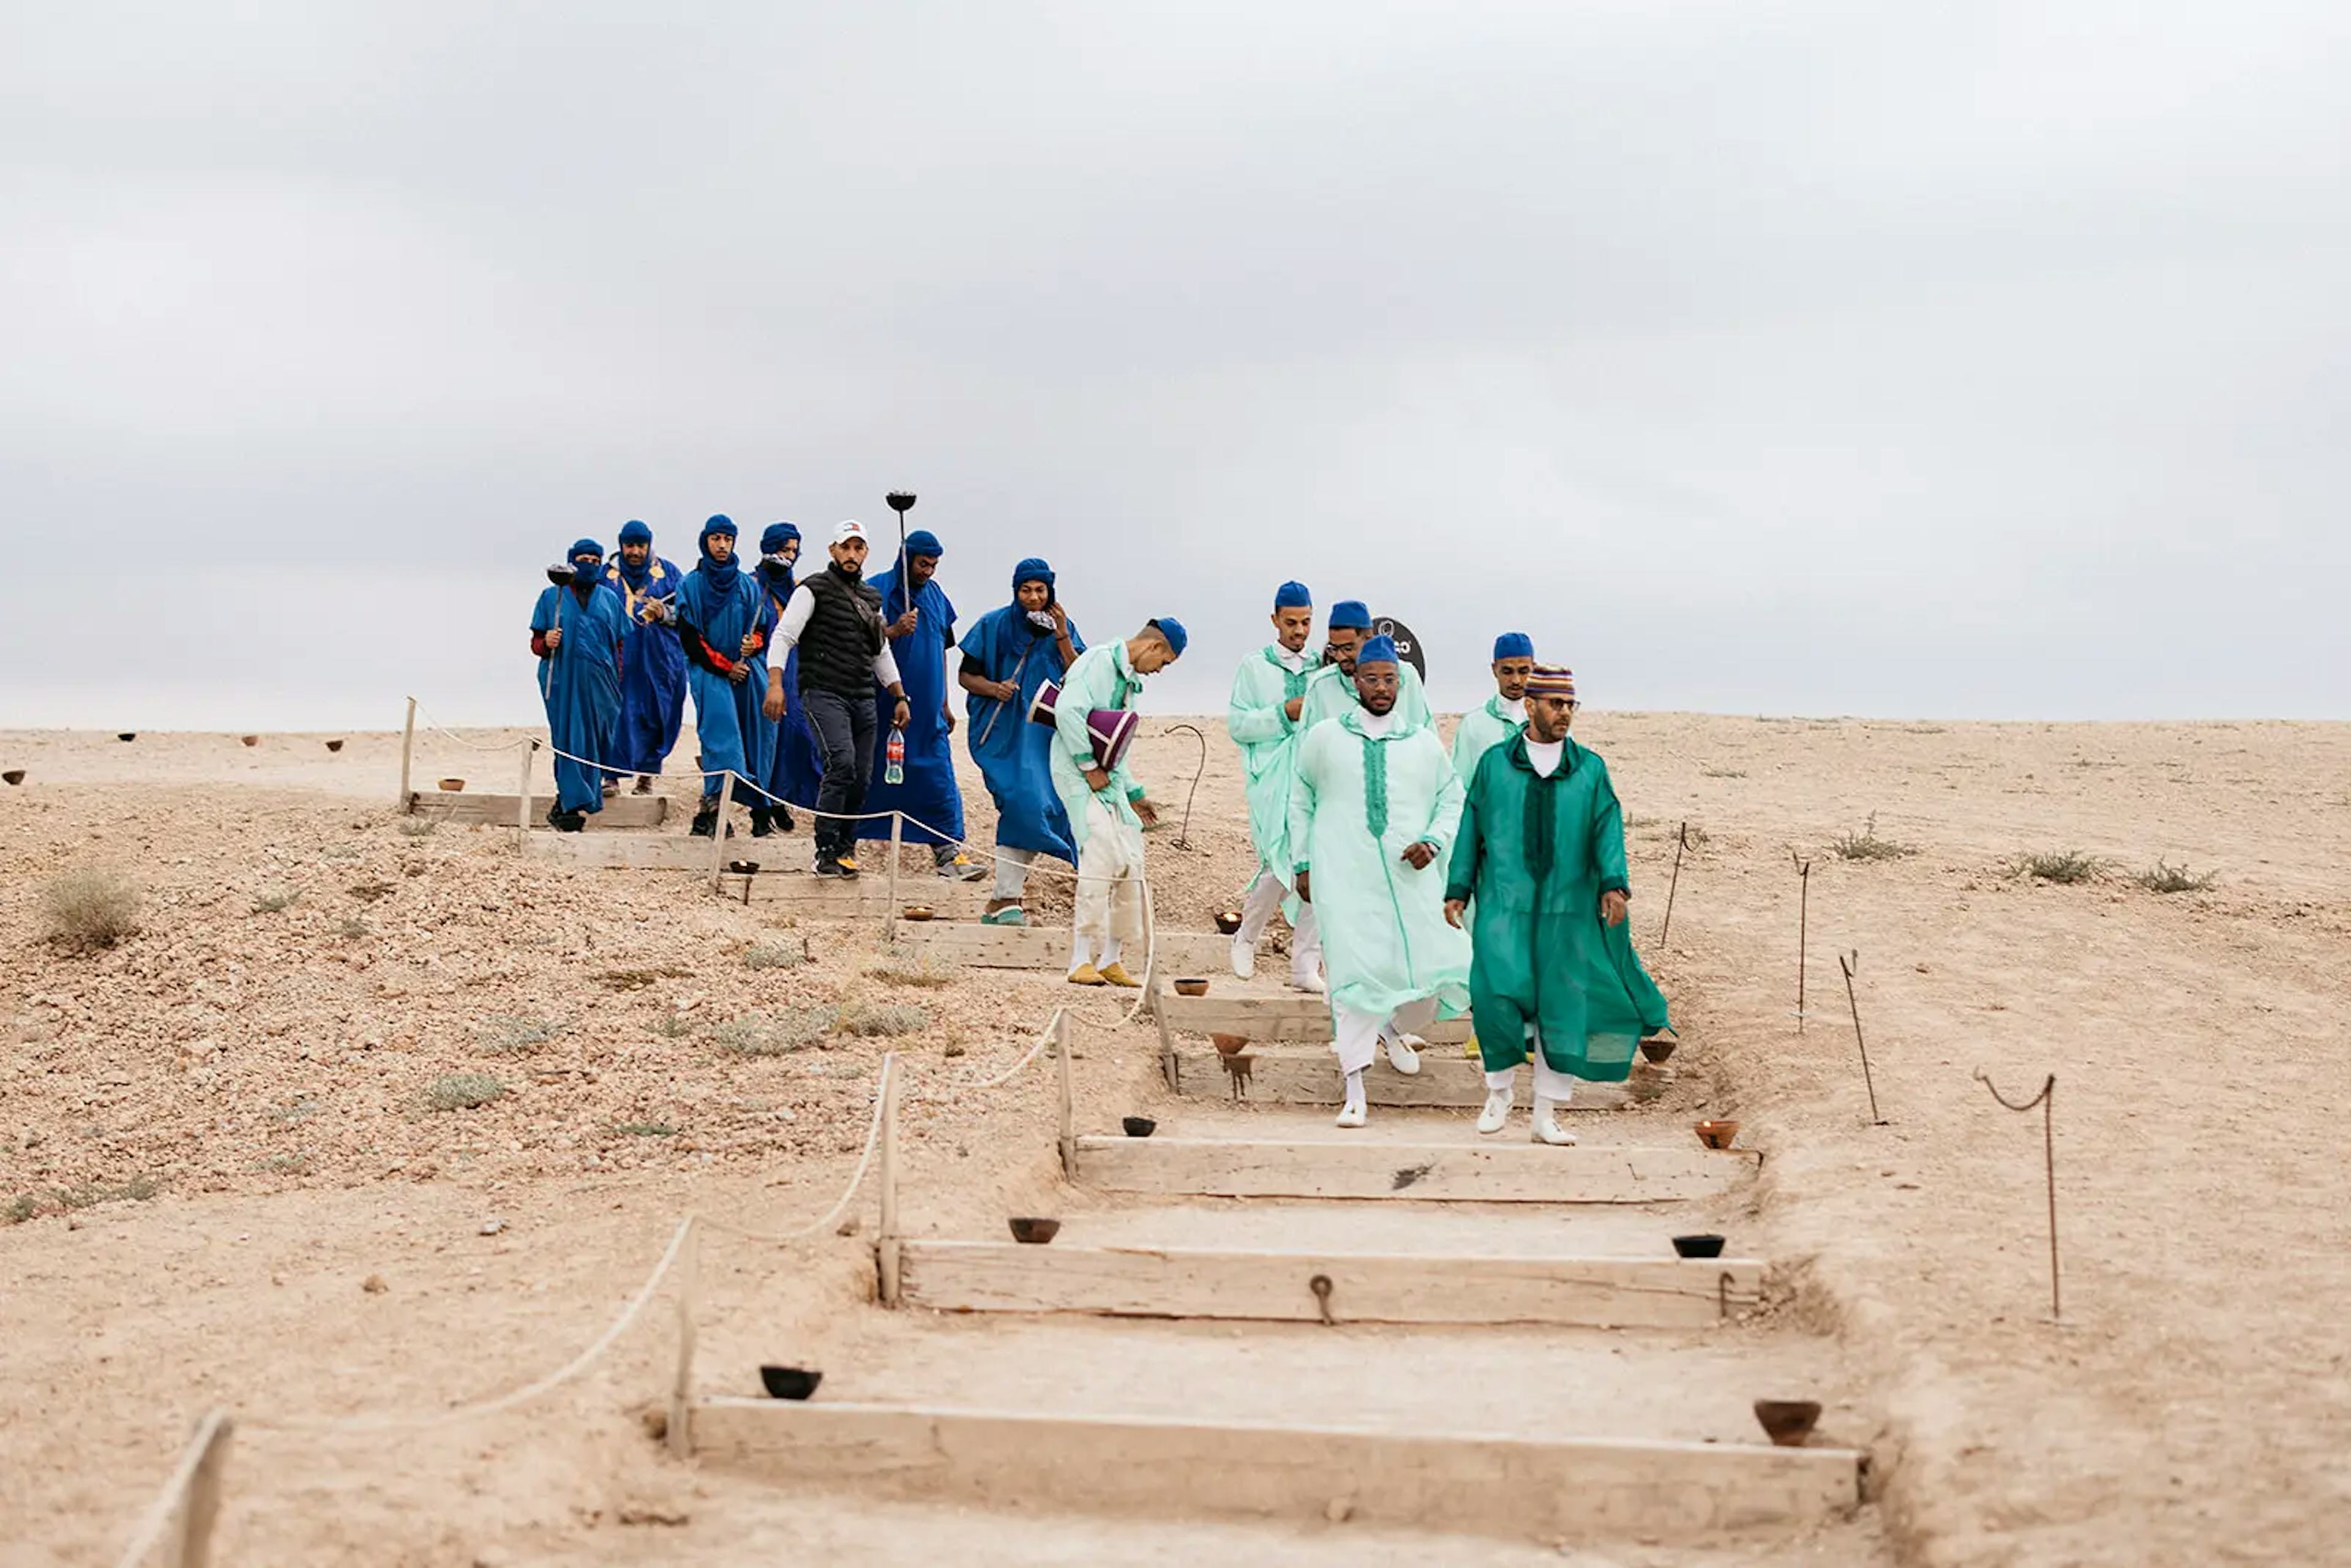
(192, 1545)
(407, 755)
(897, 841)
(1068, 1101)
(1167, 1036)
(887, 1245)
(718, 829)
(522, 795)
(680, 1435)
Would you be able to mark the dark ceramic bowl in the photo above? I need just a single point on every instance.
(1034, 1230)
(1139, 1126)
(1787, 1422)
(1698, 1246)
(790, 1382)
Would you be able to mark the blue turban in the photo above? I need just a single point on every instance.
(584, 547)
(719, 524)
(1292, 596)
(1349, 616)
(635, 533)
(776, 537)
(1378, 651)
(921, 541)
(1033, 569)
(1513, 645)
(1168, 626)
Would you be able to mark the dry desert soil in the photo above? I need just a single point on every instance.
(223, 1182)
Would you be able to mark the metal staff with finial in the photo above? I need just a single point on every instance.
(902, 502)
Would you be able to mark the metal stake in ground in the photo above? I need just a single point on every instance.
(1803, 928)
(2047, 1101)
(1850, 963)
(1184, 834)
(1681, 842)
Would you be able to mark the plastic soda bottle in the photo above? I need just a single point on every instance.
(894, 768)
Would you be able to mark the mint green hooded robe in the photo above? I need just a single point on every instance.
(1481, 730)
(1101, 678)
(1258, 719)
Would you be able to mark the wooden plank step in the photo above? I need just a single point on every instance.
(789, 881)
(1305, 1075)
(1422, 1288)
(621, 851)
(1499, 1171)
(1494, 1486)
(1047, 948)
(1256, 1009)
(623, 810)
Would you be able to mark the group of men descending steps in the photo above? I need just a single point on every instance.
(1422, 884)
(1419, 882)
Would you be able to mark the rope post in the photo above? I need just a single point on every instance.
(2047, 1101)
(1850, 965)
(1681, 842)
(1166, 1040)
(718, 829)
(407, 756)
(1069, 1097)
(1804, 927)
(885, 1247)
(897, 841)
(680, 1435)
(522, 797)
(192, 1545)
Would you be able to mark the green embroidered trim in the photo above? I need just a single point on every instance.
(1375, 788)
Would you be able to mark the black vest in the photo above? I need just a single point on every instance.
(842, 637)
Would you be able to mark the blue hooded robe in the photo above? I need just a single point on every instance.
(795, 762)
(715, 608)
(581, 681)
(1015, 756)
(653, 665)
(929, 795)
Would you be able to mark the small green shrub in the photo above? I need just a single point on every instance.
(644, 1130)
(1866, 845)
(352, 926)
(85, 1195)
(871, 1022)
(464, 1091)
(672, 1026)
(91, 908)
(2069, 867)
(1723, 772)
(773, 955)
(779, 1034)
(271, 900)
(21, 1208)
(641, 979)
(923, 976)
(2162, 878)
(418, 827)
(514, 1037)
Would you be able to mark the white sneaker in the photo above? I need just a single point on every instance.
(1496, 1112)
(1401, 1054)
(1244, 958)
(1352, 1115)
(1312, 983)
(1547, 1129)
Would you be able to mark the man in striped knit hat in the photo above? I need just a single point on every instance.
(1542, 852)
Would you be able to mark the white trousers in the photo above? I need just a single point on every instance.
(1262, 902)
(1012, 872)
(1551, 1085)
(1357, 1034)
(1110, 880)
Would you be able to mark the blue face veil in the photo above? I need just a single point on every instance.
(584, 578)
(636, 577)
(776, 574)
(722, 577)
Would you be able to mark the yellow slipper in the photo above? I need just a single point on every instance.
(1116, 975)
(1469, 1048)
(1086, 975)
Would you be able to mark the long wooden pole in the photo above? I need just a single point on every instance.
(192, 1545)
(407, 755)
(680, 1435)
(897, 841)
(886, 1246)
(718, 829)
(1069, 1097)
(522, 795)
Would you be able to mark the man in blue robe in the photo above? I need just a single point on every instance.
(1009, 653)
(721, 624)
(922, 629)
(577, 629)
(795, 768)
(652, 666)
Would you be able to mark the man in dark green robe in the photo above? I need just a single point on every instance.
(1541, 851)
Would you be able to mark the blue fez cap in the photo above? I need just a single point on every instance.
(921, 541)
(1513, 645)
(1378, 651)
(635, 533)
(584, 547)
(1349, 615)
(1168, 626)
(1292, 596)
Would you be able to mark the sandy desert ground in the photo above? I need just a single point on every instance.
(222, 1184)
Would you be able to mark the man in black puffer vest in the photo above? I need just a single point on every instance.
(835, 620)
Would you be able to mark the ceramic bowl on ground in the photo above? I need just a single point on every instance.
(1229, 922)
(789, 1381)
(450, 786)
(1655, 1051)
(1229, 1044)
(1698, 1246)
(918, 911)
(743, 868)
(128, 734)
(334, 746)
(1787, 1422)
(14, 776)
(1717, 1134)
(1034, 1230)
(1192, 986)
(250, 739)
(1139, 1126)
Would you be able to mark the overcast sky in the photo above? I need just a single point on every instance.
(1968, 360)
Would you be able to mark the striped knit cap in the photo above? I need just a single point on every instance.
(1552, 681)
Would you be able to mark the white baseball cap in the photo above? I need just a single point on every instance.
(852, 530)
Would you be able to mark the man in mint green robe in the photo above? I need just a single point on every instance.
(1372, 813)
(1505, 712)
(1264, 718)
(1106, 808)
(1541, 853)
(1331, 690)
